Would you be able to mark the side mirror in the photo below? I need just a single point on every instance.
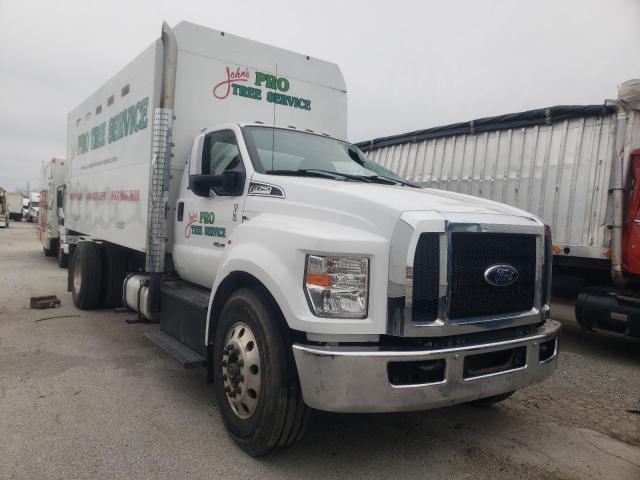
(232, 182)
(229, 183)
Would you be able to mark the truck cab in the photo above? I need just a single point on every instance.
(53, 179)
(408, 299)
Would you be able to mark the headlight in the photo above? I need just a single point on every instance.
(337, 286)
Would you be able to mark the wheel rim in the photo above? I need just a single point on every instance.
(241, 370)
(77, 277)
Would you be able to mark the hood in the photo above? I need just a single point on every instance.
(362, 205)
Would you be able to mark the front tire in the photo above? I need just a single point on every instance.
(86, 275)
(256, 383)
(63, 258)
(53, 250)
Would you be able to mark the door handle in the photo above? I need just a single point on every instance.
(180, 211)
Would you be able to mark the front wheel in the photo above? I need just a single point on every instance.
(256, 381)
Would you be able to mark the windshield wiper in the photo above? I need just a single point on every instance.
(314, 172)
(389, 181)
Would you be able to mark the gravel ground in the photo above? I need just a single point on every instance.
(86, 396)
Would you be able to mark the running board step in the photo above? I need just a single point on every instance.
(179, 351)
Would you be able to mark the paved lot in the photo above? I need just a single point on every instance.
(87, 396)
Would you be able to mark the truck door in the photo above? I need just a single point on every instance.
(205, 219)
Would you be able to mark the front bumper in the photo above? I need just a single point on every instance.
(356, 379)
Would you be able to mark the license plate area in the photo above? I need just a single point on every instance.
(491, 363)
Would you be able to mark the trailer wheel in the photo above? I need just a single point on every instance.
(256, 380)
(86, 275)
(114, 269)
(488, 401)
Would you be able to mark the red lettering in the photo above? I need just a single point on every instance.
(238, 75)
(193, 218)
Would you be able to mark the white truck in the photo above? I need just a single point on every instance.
(575, 166)
(210, 186)
(50, 217)
(14, 204)
(33, 207)
(4, 209)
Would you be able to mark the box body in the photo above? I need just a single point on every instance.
(220, 79)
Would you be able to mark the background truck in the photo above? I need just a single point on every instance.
(577, 167)
(4, 209)
(209, 187)
(51, 203)
(33, 209)
(14, 202)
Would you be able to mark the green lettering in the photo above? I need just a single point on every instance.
(215, 232)
(256, 93)
(142, 111)
(283, 84)
(260, 77)
(118, 126)
(98, 136)
(83, 143)
(207, 217)
(271, 82)
(129, 120)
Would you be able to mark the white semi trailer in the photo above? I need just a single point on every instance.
(576, 167)
(14, 204)
(210, 186)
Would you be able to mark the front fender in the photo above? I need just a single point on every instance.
(273, 248)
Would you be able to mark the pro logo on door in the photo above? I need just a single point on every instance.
(202, 223)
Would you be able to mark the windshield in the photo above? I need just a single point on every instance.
(285, 152)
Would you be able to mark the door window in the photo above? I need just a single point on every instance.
(221, 153)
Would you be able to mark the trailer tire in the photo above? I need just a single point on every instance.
(114, 269)
(488, 401)
(86, 275)
(278, 416)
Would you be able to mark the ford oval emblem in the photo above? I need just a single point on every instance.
(501, 275)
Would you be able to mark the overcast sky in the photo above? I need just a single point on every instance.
(407, 64)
